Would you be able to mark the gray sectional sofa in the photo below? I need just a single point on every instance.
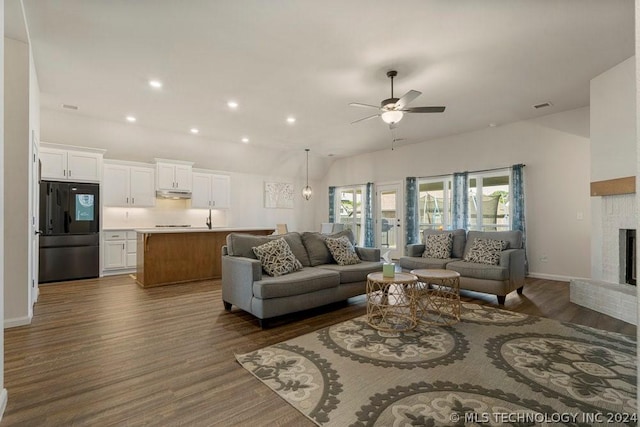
(321, 281)
(501, 279)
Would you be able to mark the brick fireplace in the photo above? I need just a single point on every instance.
(613, 294)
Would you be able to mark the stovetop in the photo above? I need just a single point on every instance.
(174, 225)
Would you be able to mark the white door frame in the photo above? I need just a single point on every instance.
(398, 250)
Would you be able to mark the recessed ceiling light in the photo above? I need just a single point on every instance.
(194, 130)
(291, 119)
(492, 125)
(155, 84)
(131, 119)
(232, 104)
(245, 140)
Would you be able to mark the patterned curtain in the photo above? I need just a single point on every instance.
(460, 208)
(517, 207)
(369, 240)
(332, 201)
(412, 221)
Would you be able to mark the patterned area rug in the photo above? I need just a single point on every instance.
(495, 367)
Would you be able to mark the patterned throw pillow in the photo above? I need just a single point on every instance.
(438, 246)
(276, 258)
(342, 251)
(486, 251)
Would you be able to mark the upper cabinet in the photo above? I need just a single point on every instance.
(128, 185)
(210, 191)
(70, 164)
(173, 175)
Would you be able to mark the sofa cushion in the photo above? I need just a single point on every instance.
(354, 273)
(276, 258)
(414, 263)
(297, 283)
(342, 251)
(485, 251)
(459, 240)
(317, 249)
(240, 244)
(479, 271)
(438, 246)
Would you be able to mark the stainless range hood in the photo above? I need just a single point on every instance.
(173, 194)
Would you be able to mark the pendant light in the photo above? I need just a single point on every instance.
(306, 191)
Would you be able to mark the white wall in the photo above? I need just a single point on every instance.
(556, 152)
(613, 122)
(16, 170)
(613, 143)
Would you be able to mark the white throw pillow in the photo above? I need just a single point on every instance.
(342, 251)
(276, 258)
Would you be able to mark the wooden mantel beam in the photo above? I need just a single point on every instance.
(611, 187)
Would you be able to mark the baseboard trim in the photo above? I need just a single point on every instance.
(4, 397)
(118, 272)
(557, 277)
(17, 321)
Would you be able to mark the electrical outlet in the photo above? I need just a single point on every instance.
(544, 258)
(580, 216)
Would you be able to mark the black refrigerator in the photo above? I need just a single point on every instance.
(69, 231)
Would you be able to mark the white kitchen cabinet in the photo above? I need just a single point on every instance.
(210, 191)
(62, 164)
(173, 176)
(119, 251)
(128, 186)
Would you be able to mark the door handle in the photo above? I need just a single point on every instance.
(38, 232)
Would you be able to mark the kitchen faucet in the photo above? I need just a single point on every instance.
(208, 222)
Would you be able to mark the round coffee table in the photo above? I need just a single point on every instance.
(391, 303)
(438, 296)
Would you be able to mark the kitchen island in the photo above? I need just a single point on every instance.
(166, 256)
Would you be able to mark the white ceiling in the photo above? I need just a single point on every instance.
(487, 61)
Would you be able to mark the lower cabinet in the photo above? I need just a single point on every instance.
(119, 251)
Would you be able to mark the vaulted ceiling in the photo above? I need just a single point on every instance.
(487, 61)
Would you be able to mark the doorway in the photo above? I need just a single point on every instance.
(390, 219)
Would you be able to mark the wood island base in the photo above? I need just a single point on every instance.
(167, 258)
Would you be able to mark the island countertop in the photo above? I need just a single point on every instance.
(168, 255)
(163, 230)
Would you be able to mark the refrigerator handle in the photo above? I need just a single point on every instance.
(67, 221)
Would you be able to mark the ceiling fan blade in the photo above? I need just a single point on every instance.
(407, 98)
(357, 104)
(424, 110)
(366, 118)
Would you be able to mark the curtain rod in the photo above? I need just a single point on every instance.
(476, 171)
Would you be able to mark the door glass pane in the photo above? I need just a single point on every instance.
(388, 219)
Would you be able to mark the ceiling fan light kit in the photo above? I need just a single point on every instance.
(392, 116)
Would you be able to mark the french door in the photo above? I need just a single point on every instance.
(390, 219)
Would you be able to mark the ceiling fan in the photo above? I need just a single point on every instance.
(392, 109)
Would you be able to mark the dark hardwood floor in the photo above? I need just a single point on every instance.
(106, 352)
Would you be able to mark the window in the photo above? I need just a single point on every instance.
(489, 195)
(351, 210)
(434, 203)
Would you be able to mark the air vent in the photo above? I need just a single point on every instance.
(543, 105)
(70, 107)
